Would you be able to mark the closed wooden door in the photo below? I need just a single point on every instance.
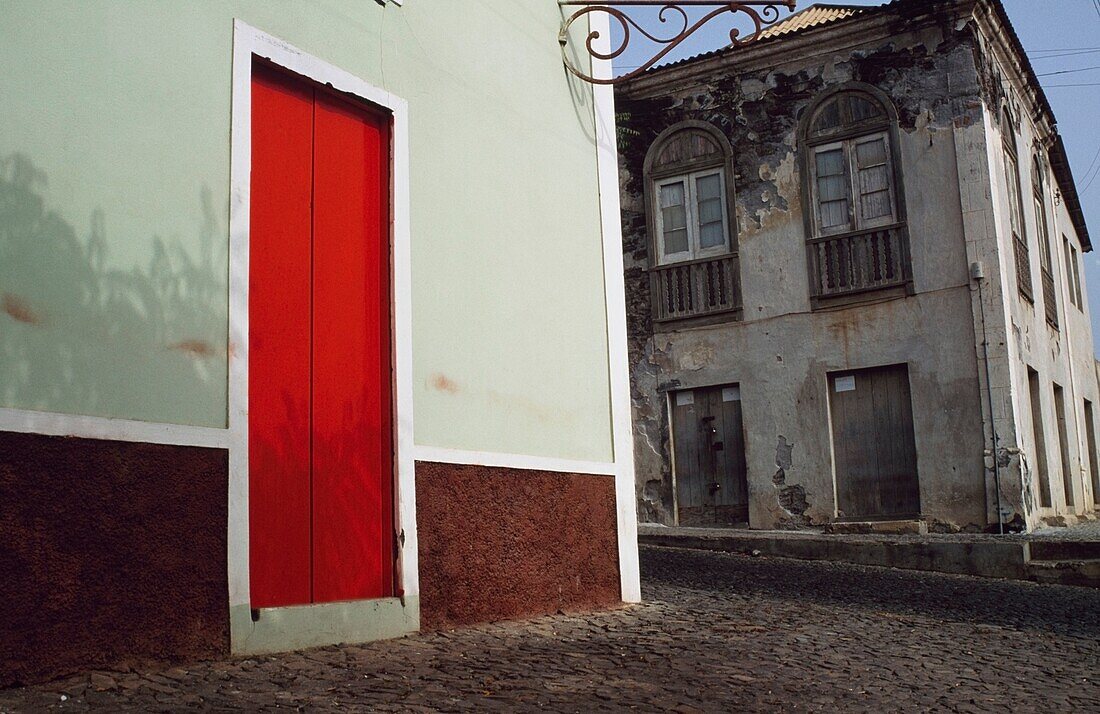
(711, 472)
(320, 437)
(873, 443)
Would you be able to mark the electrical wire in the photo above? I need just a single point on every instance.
(1089, 176)
(1034, 56)
(1063, 50)
(1067, 71)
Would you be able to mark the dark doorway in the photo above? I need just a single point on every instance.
(710, 468)
(873, 443)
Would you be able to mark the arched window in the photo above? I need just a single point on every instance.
(1042, 234)
(693, 245)
(689, 189)
(1015, 204)
(852, 165)
(857, 238)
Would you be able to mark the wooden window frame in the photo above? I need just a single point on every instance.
(694, 250)
(698, 286)
(848, 135)
(1080, 303)
(1073, 274)
(1042, 236)
(1017, 229)
(1069, 271)
(856, 222)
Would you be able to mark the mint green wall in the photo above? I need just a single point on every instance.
(114, 210)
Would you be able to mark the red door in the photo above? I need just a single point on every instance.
(320, 440)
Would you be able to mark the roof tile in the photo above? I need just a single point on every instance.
(812, 16)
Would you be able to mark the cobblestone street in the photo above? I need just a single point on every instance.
(718, 632)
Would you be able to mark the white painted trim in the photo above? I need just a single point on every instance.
(249, 41)
(93, 427)
(607, 167)
(512, 461)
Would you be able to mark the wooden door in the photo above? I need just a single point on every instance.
(709, 442)
(873, 443)
(320, 436)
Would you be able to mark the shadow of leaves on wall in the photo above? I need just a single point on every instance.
(79, 336)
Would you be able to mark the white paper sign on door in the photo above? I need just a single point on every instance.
(731, 394)
(684, 399)
(846, 384)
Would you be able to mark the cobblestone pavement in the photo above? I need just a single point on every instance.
(718, 632)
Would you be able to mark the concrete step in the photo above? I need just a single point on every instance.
(1065, 572)
(1064, 549)
(982, 557)
(902, 527)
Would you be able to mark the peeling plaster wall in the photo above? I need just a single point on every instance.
(782, 351)
(1023, 338)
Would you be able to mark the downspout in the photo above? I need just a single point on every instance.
(978, 276)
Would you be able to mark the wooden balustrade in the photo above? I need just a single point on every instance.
(700, 287)
(858, 262)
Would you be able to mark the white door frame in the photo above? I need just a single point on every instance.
(310, 625)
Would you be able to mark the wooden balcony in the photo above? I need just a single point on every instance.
(859, 262)
(697, 288)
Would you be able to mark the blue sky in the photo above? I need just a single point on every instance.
(1047, 28)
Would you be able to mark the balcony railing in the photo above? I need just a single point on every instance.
(696, 288)
(859, 262)
(1050, 303)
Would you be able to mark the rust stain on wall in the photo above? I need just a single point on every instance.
(194, 348)
(19, 310)
(443, 383)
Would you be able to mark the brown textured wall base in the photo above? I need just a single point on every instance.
(109, 552)
(502, 543)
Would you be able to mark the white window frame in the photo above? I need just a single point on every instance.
(694, 250)
(856, 222)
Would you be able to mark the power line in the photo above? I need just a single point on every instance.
(1077, 53)
(1067, 71)
(1085, 84)
(1064, 49)
(1089, 170)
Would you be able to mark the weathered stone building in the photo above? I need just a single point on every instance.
(852, 263)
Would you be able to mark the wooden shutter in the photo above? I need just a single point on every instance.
(833, 193)
(874, 178)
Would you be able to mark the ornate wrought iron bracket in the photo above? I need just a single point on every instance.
(760, 13)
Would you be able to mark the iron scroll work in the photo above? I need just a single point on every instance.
(760, 13)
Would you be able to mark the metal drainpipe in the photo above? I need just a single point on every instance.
(975, 272)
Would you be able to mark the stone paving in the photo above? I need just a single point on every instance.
(718, 632)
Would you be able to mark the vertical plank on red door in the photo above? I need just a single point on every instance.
(279, 331)
(352, 449)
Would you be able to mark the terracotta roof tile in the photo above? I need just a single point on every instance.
(812, 16)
